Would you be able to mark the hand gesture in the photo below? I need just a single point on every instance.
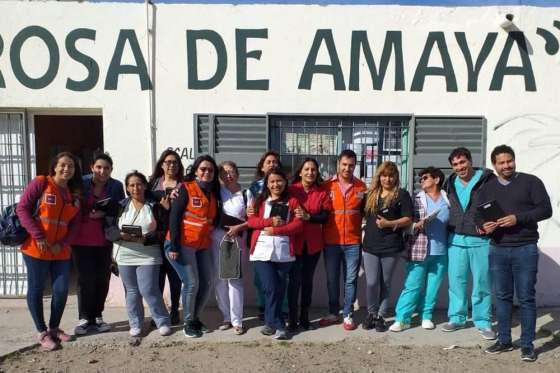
(420, 225)
(165, 203)
(95, 214)
(381, 222)
(489, 227)
(301, 213)
(277, 221)
(234, 230)
(43, 245)
(173, 255)
(507, 221)
(251, 211)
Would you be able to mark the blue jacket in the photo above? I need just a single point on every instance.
(114, 187)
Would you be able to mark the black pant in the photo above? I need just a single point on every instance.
(174, 282)
(94, 274)
(301, 276)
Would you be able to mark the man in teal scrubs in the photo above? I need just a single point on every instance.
(468, 247)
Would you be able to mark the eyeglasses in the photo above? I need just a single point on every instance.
(210, 170)
(424, 178)
(170, 163)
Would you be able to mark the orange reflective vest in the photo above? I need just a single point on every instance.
(198, 217)
(55, 212)
(344, 226)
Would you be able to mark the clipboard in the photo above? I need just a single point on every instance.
(491, 211)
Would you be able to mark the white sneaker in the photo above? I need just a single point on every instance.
(82, 327)
(101, 325)
(428, 324)
(398, 326)
(135, 332)
(164, 330)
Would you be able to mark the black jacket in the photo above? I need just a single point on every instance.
(465, 222)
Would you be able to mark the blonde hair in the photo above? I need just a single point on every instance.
(386, 168)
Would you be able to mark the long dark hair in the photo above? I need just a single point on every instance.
(266, 193)
(297, 177)
(259, 174)
(191, 173)
(158, 171)
(75, 183)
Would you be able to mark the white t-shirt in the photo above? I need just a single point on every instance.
(272, 248)
(135, 253)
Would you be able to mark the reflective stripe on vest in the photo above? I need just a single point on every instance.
(46, 220)
(347, 211)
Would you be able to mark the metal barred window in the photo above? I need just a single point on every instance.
(14, 176)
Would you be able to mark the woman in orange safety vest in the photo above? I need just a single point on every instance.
(48, 210)
(191, 221)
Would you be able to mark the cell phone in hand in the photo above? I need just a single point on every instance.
(168, 191)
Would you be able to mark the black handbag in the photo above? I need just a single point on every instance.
(230, 258)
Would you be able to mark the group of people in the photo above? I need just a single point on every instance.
(173, 224)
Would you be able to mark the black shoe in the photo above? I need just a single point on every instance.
(369, 322)
(528, 354)
(174, 316)
(191, 331)
(380, 324)
(200, 326)
(292, 326)
(499, 347)
(304, 320)
(267, 330)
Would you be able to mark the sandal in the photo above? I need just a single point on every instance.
(225, 325)
(239, 330)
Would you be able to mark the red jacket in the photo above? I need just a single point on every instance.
(314, 202)
(291, 229)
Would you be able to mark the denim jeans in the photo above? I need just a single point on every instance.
(194, 268)
(337, 256)
(38, 271)
(515, 268)
(379, 274)
(142, 282)
(273, 277)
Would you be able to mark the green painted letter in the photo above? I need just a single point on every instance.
(192, 59)
(15, 57)
(89, 63)
(116, 69)
(311, 68)
(502, 69)
(393, 41)
(241, 36)
(422, 70)
(483, 55)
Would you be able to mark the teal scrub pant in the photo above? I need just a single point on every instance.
(421, 288)
(463, 259)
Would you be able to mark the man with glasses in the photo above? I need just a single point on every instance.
(514, 255)
(468, 247)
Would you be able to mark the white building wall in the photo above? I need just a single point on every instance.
(527, 120)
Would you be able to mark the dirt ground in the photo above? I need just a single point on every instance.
(356, 355)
